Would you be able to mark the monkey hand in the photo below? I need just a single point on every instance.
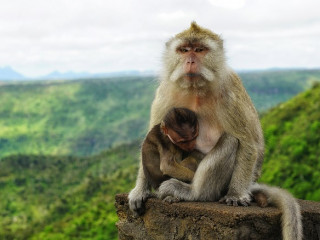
(167, 188)
(234, 200)
(137, 198)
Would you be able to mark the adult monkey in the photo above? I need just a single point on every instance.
(196, 76)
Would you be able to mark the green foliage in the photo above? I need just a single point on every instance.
(292, 134)
(269, 88)
(73, 117)
(52, 197)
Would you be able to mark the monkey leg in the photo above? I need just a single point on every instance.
(173, 169)
(140, 193)
(190, 162)
(212, 177)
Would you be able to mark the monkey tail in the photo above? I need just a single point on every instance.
(291, 215)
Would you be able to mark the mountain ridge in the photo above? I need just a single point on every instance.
(7, 73)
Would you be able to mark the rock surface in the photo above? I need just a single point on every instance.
(209, 220)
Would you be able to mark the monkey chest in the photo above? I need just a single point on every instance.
(209, 128)
(190, 101)
(209, 134)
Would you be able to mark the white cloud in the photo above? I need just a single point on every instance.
(98, 36)
(230, 4)
(173, 17)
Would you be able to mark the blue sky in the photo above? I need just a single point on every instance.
(39, 36)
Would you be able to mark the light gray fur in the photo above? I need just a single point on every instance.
(291, 214)
(230, 123)
(140, 193)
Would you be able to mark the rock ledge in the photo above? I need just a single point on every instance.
(209, 220)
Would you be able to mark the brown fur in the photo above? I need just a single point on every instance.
(161, 159)
(261, 199)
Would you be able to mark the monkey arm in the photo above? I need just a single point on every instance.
(140, 193)
(149, 173)
(190, 163)
(158, 110)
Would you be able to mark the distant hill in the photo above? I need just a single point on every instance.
(73, 117)
(7, 73)
(65, 75)
(84, 117)
(56, 75)
(270, 87)
(292, 133)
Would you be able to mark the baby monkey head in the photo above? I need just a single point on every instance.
(181, 126)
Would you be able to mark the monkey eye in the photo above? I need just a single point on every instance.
(199, 49)
(184, 49)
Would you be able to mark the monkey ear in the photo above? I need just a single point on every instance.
(197, 129)
(163, 128)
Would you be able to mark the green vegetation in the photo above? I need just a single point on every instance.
(46, 194)
(74, 117)
(269, 88)
(45, 197)
(292, 133)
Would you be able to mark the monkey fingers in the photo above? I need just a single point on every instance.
(136, 202)
(137, 206)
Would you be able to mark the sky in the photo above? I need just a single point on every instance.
(41, 36)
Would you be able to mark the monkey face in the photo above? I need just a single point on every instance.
(192, 59)
(187, 146)
(185, 143)
(190, 70)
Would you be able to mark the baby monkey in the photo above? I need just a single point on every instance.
(168, 149)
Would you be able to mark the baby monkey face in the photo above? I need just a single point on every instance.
(181, 126)
(187, 142)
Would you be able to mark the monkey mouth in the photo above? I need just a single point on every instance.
(193, 75)
(192, 81)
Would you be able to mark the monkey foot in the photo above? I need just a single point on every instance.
(171, 199)
(236, 201)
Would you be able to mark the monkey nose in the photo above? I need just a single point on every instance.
(190, 60)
